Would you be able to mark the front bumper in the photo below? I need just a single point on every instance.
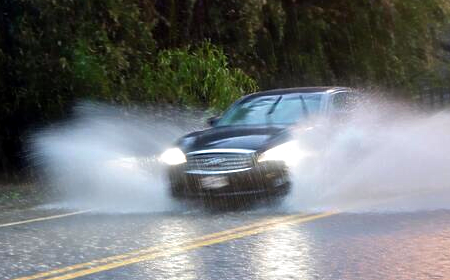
(261, 180)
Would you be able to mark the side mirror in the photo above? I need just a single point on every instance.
(213, 120)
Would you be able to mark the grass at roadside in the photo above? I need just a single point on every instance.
(19, 195)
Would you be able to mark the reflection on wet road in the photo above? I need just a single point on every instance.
(257, 244)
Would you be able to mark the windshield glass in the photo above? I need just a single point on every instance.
(272, 109)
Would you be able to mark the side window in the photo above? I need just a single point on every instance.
(339, 101)
(343, 102)
(343, 105)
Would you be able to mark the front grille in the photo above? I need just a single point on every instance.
(219, 161)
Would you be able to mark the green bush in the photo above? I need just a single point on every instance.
(196, 76)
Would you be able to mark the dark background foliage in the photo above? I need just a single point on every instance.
(205, 52)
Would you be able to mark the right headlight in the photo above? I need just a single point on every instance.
(173, 156)
(288, 152)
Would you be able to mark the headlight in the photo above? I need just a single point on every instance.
(288, 152)
(173, 156)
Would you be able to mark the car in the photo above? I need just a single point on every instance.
(248, 150)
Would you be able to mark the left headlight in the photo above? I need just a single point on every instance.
(173, 156)
(289, 152)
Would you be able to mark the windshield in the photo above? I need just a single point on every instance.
(272, 109)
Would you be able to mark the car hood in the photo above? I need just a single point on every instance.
(236, 137)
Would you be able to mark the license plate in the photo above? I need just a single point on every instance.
(214, 182)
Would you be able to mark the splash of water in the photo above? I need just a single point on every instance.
(383, 158)
(105, 157)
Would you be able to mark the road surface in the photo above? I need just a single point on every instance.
(234, 244)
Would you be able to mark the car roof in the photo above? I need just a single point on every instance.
(299, 90)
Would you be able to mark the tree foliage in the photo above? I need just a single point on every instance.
(204, 52)
(303, 42)
(198, 76)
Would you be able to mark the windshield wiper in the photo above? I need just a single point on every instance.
(272, 109)
(305, 108)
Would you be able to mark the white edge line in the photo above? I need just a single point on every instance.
(45, 218)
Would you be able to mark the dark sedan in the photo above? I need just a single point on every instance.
(249, 149)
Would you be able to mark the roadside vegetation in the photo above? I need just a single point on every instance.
(205, 53)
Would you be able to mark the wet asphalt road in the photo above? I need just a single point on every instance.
(256, 244)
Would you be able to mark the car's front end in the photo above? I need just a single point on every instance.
(227, 172)
(232, 172)
(247, 153)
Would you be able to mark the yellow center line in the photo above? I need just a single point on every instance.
(170, 250)
(156, 248)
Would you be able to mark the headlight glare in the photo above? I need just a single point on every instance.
(289, 152)
(173, 156)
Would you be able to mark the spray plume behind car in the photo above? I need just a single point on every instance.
(105, 157)
(384, 157)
